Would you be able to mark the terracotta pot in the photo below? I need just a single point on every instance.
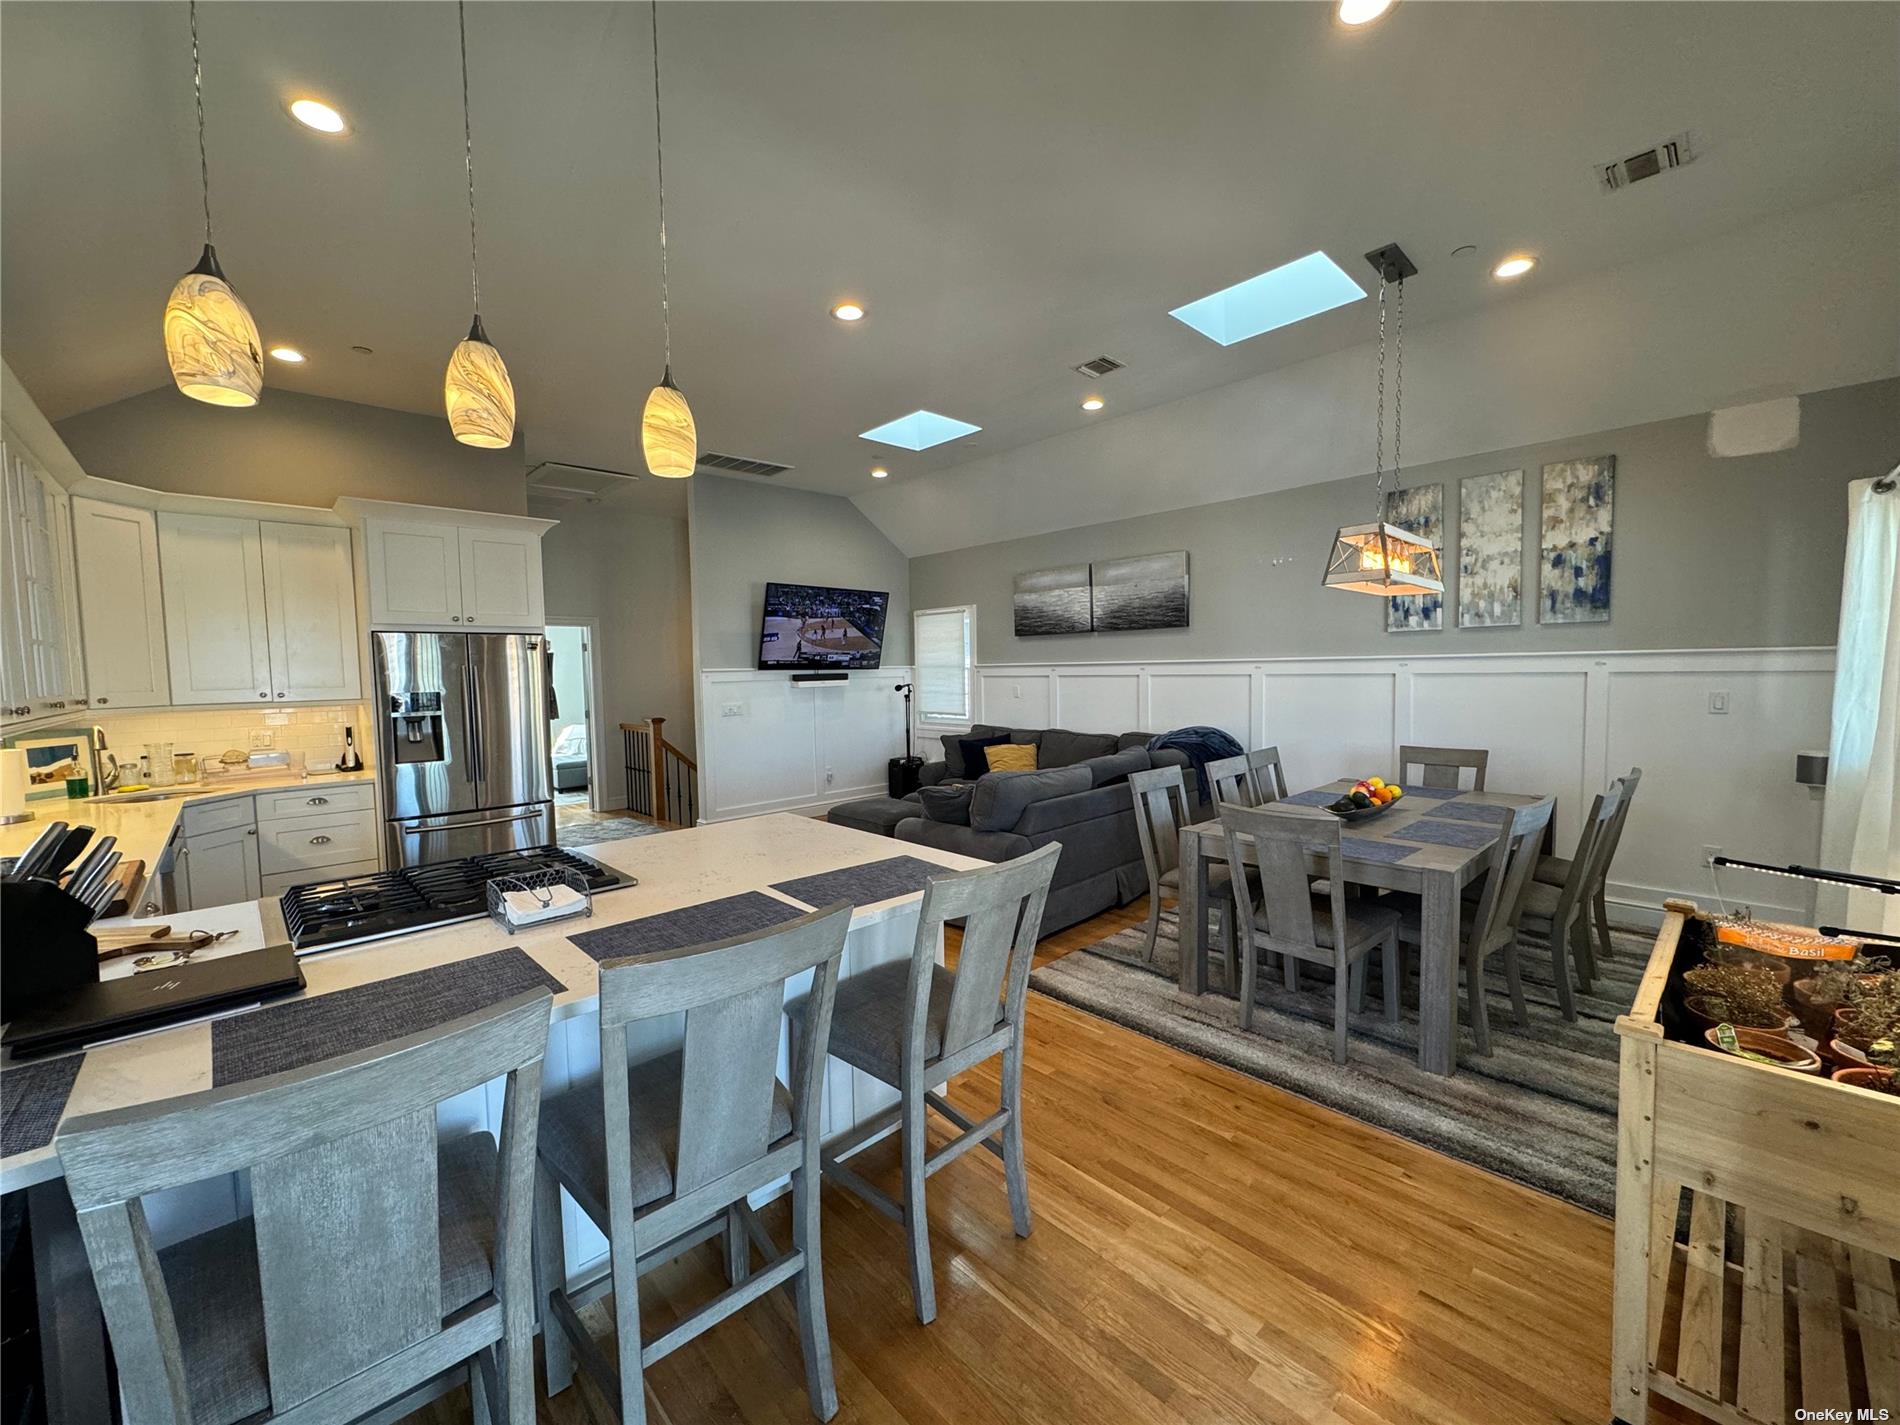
(1708, 1021)
(1772, 1046)
(1862, 1078)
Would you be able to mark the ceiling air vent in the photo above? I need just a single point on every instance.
(740, 465)
(1670, 153)
(1101, 366)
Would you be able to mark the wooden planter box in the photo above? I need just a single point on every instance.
(1779, 1292)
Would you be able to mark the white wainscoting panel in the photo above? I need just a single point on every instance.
(1531, 721)
(1019, 700)
(1328, 724)
(1097, 699)
(797, 747)
(1221, 697)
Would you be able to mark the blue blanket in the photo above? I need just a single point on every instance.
(1202, 745)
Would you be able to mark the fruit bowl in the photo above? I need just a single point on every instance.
(1366, 799)
(1351, 813)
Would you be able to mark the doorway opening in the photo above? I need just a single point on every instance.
(573, 736)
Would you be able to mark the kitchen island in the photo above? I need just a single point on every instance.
(676, 870)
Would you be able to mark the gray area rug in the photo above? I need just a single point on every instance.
(577, 826)
(1541, 1110)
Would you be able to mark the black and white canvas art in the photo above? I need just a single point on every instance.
(1491, 550)
(1419, 510)
(1574, 585)
(1141, 591)
(1053, 601)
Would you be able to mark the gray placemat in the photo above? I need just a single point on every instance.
(704, 924)
(1361, 849)
(286, 1036)
(868, 884)
(1442, 831)
(1437, 794)
(32, 1097)
(1318, 797)
(1472, 811)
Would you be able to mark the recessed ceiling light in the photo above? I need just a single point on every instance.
(848, 312)
(315, 114)
(919, 430)
(878, 472)
(288, 353)
(1514, 266)
(1093, 403)
(1289, 293)
(1362, 12)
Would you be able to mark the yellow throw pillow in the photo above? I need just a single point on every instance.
(1011, 757)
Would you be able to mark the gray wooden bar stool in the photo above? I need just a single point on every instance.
(375, 1259)
(661, 1155)
(912, 1024)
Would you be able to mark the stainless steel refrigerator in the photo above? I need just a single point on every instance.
(462, 744)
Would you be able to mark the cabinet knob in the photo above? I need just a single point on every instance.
(263, 695)
(81, 702)
(149, 908)
(318, 802)
(455, 618)
(56, 705)
(104, 701)
(250, 831)
(319, 841)
(282, 695)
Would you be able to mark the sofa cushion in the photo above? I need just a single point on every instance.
(1011, 757)
(1117, 767)
(1002, 797)
(1133, 739)
(1062, 748)
(953, 747)
(971, 759)
(948, 803)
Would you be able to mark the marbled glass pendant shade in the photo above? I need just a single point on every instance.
(478, 393)
(667, 434)
(211, 342)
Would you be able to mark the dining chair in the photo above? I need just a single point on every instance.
(1291, 921)
(1555, 870)
(375, 1258)
(913, 1023)
(1440, 767)
(1231, 779)
(661, 1155)
(1269, 776)
(1161, 810)
(1560, 912)
(1492, 925)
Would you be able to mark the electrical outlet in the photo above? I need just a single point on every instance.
(1718, 701)
(732, 710)
(829, 775)
(1709, 853)
(1016, 691)
(277, 719)
(262, 737)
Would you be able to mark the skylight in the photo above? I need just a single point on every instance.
(920, 430)
(1289, 293)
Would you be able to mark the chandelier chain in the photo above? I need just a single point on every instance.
(1398, 385)
(659, 156)
(1378, 439)
(468, 163)
(198, 91)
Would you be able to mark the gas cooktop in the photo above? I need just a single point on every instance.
(327, 914)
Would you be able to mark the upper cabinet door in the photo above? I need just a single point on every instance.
(16, 671)
(310, 594)
(75, 690)
(501, 578)
(415, 575)
(215, 623)
(121, 608)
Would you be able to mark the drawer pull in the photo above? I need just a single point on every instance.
(319, 841)
(318, 802)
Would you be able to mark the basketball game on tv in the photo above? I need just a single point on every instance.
(806, 626)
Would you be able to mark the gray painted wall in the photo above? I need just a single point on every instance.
(1709, 553)
(747, 534)
(298, 450)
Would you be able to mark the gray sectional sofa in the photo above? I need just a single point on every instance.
(1078, 796)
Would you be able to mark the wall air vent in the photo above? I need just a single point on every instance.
(1101, 366)
(1670, 153)
(739, 464)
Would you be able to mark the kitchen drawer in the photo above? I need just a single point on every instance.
(316, 800)
(276, 885)
(313, 843)
(218, 816)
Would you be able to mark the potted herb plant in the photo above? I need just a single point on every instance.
(1742, 995)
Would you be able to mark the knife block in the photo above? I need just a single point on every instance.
(47, 947)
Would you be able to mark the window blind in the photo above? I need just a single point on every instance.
(942, 648)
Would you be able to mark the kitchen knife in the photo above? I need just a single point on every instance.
(40, 853)
(96, 883)
(69, 848)
(82, 873)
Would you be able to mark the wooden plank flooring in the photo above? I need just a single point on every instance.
(1207, 1249)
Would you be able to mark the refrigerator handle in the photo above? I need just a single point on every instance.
(471, 687)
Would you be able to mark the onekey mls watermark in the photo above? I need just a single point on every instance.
(1844, 1417)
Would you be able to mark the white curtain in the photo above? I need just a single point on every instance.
(1862, 814)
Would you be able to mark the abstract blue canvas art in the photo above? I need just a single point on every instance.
(1419, 510)
(1491, 550)
(1574, 586)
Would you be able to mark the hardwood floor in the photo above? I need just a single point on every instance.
(1206, 1249)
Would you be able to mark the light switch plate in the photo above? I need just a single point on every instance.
(732, 710)
(1718, 702)
(262, 737)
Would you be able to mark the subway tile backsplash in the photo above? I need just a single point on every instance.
(317, 732)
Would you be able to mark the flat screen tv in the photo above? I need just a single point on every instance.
(808, 626)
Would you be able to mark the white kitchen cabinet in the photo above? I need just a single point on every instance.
(310, 604)
(501, 578)
(220, 867)
(415, 574)
(430, 568)
(121, 605)
(215, 625)
(40, 679)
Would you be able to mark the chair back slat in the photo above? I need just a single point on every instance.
(1285, 840)
(1508, 874)
(1269, 775)
(1592, 841)
(1232, 780)
(1160, 812)
(1630, 779)
(1441, 768)
(728, 1077)
(1001, 907)
(348, 1254)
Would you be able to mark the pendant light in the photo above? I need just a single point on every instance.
(1380, 558)
(211, 343)
(479, 396)
(667, 434)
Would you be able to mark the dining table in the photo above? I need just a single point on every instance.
(1433, 842)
